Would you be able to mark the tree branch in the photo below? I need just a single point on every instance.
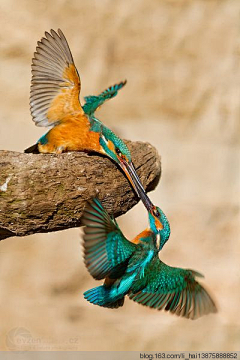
(45, 192)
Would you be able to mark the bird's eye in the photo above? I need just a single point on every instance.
(156, 213)
(118, 151)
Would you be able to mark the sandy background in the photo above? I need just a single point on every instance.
(181, 60)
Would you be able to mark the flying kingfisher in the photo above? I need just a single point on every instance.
(54, 103)
(135, 269)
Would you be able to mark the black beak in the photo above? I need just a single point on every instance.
(132, 176)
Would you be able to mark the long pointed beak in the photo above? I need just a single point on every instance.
(133, 178)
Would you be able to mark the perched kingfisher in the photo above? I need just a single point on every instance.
(54, 103)
(135, 269)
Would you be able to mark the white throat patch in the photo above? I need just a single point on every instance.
(158, 241)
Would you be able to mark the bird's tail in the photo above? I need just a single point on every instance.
(32, 149)
(101, 296)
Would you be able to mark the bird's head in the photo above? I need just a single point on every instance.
(113, 146)
(160, 226)
(117, 150)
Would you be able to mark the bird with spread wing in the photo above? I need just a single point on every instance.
(135, 269)
(54, 103)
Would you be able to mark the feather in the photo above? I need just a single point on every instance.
(100, 296)
(177, 292)
(105, 247)
(54, 77)
(93, 102)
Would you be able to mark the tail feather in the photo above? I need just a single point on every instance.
(100, 296)
(32, 149)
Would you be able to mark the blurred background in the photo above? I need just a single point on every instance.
(181, 60)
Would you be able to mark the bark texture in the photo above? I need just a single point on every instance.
(44, 192)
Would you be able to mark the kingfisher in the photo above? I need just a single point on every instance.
(54, 103)
(134, 268)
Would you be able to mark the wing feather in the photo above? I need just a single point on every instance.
(105, 247)
(174, 290)
(93, 102)
(55, 79)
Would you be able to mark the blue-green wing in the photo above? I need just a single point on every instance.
(173, 289)
(105, 247)
(93, 102)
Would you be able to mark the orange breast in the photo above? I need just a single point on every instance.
(143, 234)
(72, 134)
